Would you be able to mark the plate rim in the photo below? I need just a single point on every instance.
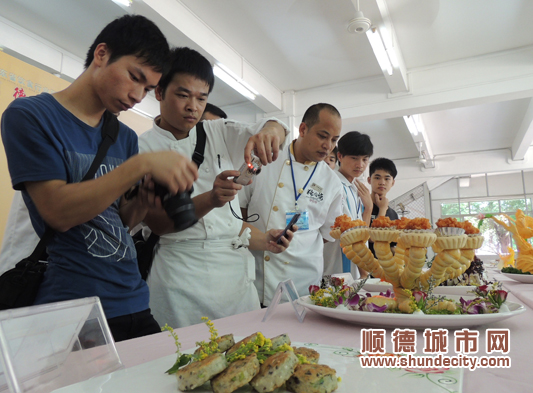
(514, 276)
(390, 320)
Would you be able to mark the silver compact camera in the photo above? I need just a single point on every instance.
(248, 171)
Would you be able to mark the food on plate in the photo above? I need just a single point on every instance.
(521, 229)
(513, 270)
(488, 300)
(401, 223)
(469, 228)
(275, 371)
(419, 223)
(382, 222)
(224, 343)
(381, 301)
(312, 378)
(383, 230)
(309, 354)
(197, 373)
(278, 341)
(474, 275)
(245, 340)
(354, 235)
(264, 363)
(449, 222)
(238, 374)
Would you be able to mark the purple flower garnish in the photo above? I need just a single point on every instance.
(374, 308)
(339, 301)
(353, 302)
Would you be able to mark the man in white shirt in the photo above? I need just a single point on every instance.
(206, 270)
(354, 152)
(297, 182)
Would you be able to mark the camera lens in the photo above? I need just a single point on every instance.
(180, 209)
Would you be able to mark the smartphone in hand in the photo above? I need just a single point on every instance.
(288, 227)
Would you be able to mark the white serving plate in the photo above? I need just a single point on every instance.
(376, 319)
(524, 278)
(376, 285)
(150, 377)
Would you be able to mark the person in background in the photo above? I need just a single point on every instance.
(206, 270)
(382, 176)
(298, 182)
(355, 150)
(213, 112)
(331, 159)
(51, 141)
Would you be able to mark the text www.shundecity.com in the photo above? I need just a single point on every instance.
(411, 361)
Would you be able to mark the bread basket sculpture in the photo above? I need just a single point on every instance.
(453, 242)
(521, 229)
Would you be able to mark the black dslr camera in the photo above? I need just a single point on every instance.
(179, 207)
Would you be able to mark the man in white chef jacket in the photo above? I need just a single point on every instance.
(299, 181)
(354, 152)
(206, 270)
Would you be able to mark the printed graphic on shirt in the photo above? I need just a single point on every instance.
(315, 194)
(105, 235)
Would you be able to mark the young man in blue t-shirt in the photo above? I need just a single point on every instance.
(50, 143)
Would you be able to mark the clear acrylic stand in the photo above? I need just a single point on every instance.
(45, 347)
(288, 288)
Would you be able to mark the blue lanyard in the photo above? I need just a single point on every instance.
(357, 205)
(296, 193)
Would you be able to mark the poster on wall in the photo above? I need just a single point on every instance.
(19, 79)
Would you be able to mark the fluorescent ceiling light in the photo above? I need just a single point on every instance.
(381, 53)
(125, 3)
(234, 81)
(412, 124)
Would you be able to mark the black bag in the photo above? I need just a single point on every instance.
(19, 285)
(145, 248)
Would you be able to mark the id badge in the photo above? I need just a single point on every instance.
(303, 221)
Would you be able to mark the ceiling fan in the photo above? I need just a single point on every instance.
(360, 24)
(425, 160)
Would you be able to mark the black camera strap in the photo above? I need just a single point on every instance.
(109, 136)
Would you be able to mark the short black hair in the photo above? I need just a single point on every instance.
(133, 35)
(334, 152)
(215, 110)
(385, 165)
(185, 60)
(312, 114)
(354, 143)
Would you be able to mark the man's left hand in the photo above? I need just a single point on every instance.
(272, 237)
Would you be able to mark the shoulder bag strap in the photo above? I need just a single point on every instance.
(198, 155)
(109, 133)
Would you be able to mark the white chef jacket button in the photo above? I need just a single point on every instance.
(280, 185)
(286, 262)
(288, 162)
(306, 168)
(275, 208)
(207, 169)
(267, 258)
(229, 223)
(210, 227)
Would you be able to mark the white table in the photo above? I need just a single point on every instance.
(322, 330)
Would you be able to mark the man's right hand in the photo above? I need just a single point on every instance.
(224, 189)
(171, 169)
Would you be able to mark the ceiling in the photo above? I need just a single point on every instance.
(465, 66)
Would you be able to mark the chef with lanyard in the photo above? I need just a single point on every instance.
(298, 182)
(354, 152)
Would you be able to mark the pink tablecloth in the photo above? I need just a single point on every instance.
(323, 330)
